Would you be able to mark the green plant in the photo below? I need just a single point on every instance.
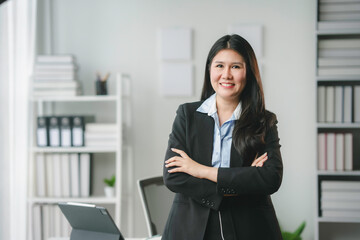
(110, 181)
(295, 235)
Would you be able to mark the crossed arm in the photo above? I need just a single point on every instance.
(183, 163)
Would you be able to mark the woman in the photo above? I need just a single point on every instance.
(223, 158)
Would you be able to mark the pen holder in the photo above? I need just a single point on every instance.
(101, 88)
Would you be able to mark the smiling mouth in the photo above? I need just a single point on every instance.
(227, 84)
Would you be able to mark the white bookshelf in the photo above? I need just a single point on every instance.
(44, 106)
(328, 228)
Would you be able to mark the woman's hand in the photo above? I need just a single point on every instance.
(185, 164)
(259, 162)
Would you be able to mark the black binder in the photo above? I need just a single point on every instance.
(78, 129)
(42, 136)
(90, 222)
(65, 131)
(54, 131)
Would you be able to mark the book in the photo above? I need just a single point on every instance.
(331, 25)
(75, 175)
(338, 16)
(57, 92)
(322, 151)
(330, 104)
(100, 136)
(347, 104)
(340, 151)
(323, 53)
(55, 59)
(40, 175)
(55, 85)
(65, 170)
(57, 175)
(339, 185)
(49, 175)
(101, 127)
(341, 213)
(321, 103)
(330, 152)
(348, 153)
(344, 7)
(340, 195)
(338, 104)
(340, 205)
(339, 62)
(357, 103)
(54, 67)
(85, 176)
(339, 43)
(37, 222)
(336, 71)
(78, 129)
(55, 76)
(46, 223)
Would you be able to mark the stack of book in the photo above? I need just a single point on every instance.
(48, 221)
(335, 151)
(334, 12)
(100, 135)
(339, 57)
(340, 199)
(55, 75)
(63, 174)
(338, 104)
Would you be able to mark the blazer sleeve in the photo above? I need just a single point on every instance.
(202, 191)
(255, 180)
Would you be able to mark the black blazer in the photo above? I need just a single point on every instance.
(250, 214)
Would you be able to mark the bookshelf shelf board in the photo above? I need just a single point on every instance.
(73, 149)
(338, 220)
(339, 173)
(338, 125)
(94, 200)
(338, 78)
(105, 98)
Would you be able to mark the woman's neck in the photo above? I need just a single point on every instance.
(225, 109)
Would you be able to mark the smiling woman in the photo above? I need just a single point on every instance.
(223, 159)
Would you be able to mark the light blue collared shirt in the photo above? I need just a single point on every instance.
(222, 135)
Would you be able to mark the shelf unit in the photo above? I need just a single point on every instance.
(330, 35)
(120, 164)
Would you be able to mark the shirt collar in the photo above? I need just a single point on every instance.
(209, 107)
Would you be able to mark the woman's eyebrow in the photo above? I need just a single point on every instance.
(231, 63)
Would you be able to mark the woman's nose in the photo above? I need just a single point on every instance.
(226, 73)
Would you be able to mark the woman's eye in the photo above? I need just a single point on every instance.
(236, 66)
(219, 65)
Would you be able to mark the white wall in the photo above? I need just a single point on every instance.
(116, 35)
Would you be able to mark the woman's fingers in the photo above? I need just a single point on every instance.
(259, 162)
(180, 152)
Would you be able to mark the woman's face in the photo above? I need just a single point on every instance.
(228, 74)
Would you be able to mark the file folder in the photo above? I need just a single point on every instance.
(78, 129)
(65, 131)
(42, 137)
(54, 131)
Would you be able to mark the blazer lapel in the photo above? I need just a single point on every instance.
(235, 159)
(205, 128)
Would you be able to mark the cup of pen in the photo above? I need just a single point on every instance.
(101, 84)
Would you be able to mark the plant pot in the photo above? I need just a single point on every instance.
(109, 191)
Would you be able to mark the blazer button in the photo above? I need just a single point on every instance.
(203, 200)
(212, 204)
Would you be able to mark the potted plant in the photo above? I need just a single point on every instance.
(295, 235)
(109, 188)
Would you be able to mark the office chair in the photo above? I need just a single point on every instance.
(156, 200)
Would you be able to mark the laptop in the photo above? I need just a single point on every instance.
(90, 222)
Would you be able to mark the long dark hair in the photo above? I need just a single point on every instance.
(249, 130)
